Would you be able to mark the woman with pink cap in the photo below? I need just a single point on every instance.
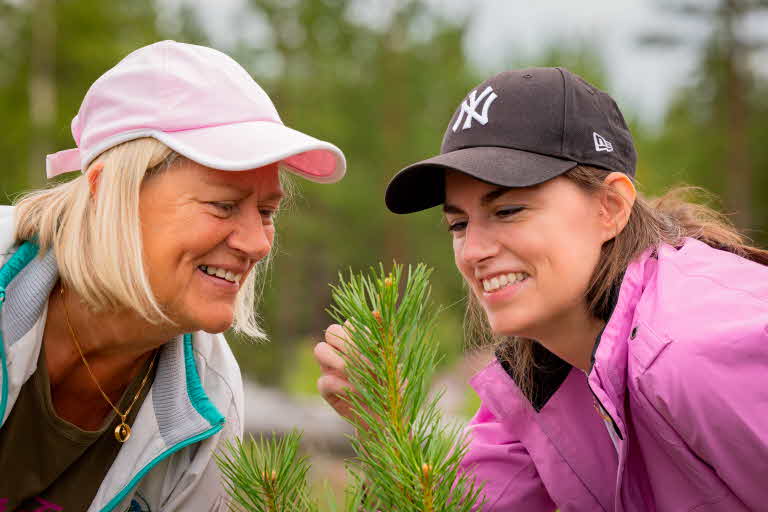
(631, 336)
(117, 386)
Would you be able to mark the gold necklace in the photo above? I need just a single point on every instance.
(122, 431)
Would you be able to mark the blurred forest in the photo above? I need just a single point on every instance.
(383, 92)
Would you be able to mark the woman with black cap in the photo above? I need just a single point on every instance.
(631, 335)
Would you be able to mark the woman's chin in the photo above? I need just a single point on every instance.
(504, 327)
(214, 324)
(217, 327)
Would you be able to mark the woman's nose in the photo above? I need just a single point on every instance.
(479, 244)
(252, 237)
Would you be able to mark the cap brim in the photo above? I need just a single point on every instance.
(422, 185)
(248, 145)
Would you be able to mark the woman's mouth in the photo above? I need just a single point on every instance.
(501, 281)
(220, 273)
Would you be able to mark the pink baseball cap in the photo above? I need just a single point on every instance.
(200, 103)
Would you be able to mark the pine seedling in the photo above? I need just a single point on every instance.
(266, 475)
(407, 460)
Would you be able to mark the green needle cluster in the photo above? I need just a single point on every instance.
(407, 458)
(266, 475)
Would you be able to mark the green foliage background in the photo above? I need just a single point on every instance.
(384, 95)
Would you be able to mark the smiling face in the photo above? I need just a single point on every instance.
(203, 230)
(527, 253)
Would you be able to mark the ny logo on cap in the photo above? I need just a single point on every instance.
(601, 144)
(469, 108)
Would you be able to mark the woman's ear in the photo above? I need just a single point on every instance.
(93, 175)
(616, 203)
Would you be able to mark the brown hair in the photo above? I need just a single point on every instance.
(664, 220)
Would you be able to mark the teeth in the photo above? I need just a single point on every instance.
(503, 280)
(221, 273)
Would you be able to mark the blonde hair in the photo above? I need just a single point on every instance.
(97, 244)
(665, 220)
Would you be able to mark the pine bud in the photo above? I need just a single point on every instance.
(426, 469)
(377, 316)
(388, 282)
(270, 477)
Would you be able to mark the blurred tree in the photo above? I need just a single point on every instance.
(50, 53)
(710, 134)
(382, 89)
(41, 85)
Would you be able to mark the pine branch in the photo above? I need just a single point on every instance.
(408, 460)
(266, 476)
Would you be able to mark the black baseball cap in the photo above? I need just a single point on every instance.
(517, 129)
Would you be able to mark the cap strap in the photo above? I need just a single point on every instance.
(63, 161)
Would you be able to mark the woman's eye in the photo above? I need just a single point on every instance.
(223, 207)
(269, 215)
(508, 211)
(457, 226)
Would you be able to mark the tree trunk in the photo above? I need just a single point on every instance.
(738, 162)
(41, 88)
(395, 109)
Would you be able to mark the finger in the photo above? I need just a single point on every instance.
(331, 387)
(328, 357)
(337, 336)
(351, 328)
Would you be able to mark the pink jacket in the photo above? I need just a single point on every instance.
(681, 371)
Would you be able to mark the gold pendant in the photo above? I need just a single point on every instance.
(122, 432)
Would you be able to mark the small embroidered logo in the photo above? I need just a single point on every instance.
(601, 144)
(139, 504)
(469, 108)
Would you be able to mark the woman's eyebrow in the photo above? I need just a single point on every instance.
(494, 194)
(449, 208)
(277, 196)
(488, 197)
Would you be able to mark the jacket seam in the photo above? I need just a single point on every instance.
(573, 470)
(683, 442)
(713, 501)
(126, 490)
(512, 479)
(659, 339)
(232, 401)
(649, 404)
(717, 282)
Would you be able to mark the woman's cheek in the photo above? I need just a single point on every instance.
(269, 232)
(457, 248)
